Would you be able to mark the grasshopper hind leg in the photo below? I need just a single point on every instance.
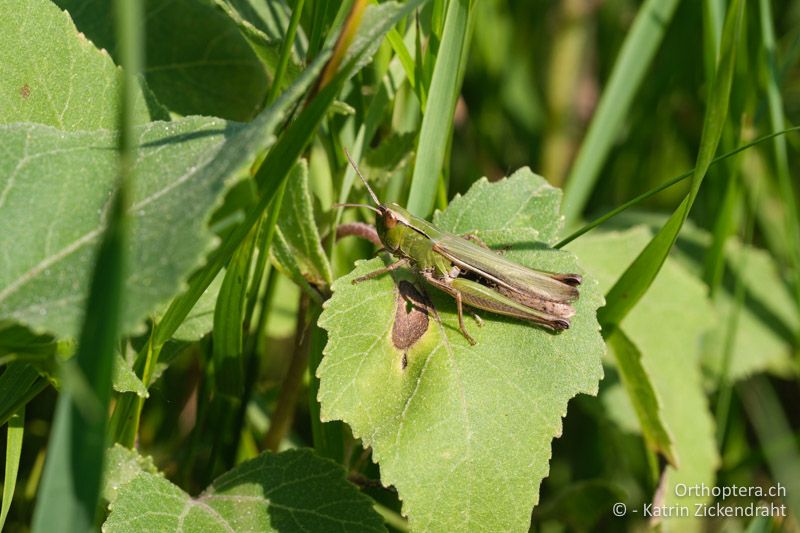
(460, 308)
(455, 293)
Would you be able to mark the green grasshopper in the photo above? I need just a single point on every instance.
(469, 271)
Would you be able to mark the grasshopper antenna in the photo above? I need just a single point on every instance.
(355, 167)
(358, 205)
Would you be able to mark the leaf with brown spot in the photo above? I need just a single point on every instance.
(463, 432)
(411, 317)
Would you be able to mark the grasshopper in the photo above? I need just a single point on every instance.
(469, 271)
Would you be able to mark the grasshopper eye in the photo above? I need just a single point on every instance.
(390, 219)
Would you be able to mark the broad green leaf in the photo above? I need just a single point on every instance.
(61, 183)
(462, 431)
(291, 491)
(124, 465)
(523, 202)
(298, 230)
(53, 75)
(667, 326)
(197, 61)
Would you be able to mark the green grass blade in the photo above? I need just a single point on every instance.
(70, 489)
(439, 109)
(777, 123)
(634, 59)
(227, 351)
(403, 55)
(16, 431)
(19, 384)
(366, 131)
(666, 185)
(285, 53)
(635, 281)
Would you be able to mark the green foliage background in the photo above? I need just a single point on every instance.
(175, 272)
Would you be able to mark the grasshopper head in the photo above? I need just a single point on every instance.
(392, 225)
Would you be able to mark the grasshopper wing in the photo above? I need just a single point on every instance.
(495, 268)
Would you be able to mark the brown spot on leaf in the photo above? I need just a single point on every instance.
(411, 317)
(25, 91)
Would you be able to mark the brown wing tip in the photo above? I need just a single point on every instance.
(570, 279)
(560, 324)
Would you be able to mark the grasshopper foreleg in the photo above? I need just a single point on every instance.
(375, 273)
(477, 240)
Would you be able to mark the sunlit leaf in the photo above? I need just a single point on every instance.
(463, 431)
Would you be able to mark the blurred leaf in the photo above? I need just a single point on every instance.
(463, 431)
(291, 491)
(53, 75)
(197, 61)
(393, 152)
(768, 320)
(16, 339)
(263, 32)
(298, 230)
(237, 154)
(764, 333)
(125, 379)
(641, 394)
(441, 104)
(670, 354)
(200, 319)
(285, 262)
(61, 184)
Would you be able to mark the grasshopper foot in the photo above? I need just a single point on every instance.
(477, 318)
